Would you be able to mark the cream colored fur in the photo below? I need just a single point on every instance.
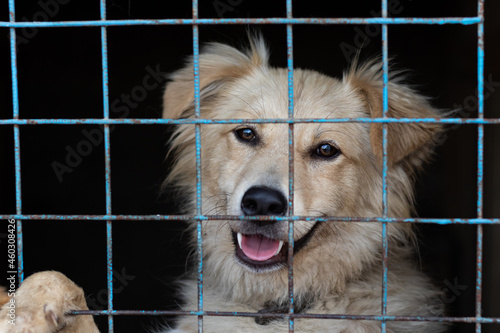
(339, 270)
(41, 305)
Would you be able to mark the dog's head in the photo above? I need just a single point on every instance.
(337, 168)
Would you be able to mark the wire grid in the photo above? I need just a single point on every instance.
(289, 21)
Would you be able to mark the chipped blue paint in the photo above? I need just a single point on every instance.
(17, 142)
(291, 241)
(294, 315)
(479, 275)
(141, 121)
(199, 231)
(385, 114)
(48, 217)
(107, 165)
(480, 161)
(245, 21)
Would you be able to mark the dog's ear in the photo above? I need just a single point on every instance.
(219, 64)
(411, 143)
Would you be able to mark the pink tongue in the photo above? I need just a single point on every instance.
(259, 248)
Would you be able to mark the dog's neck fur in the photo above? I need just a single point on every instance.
(279, 308)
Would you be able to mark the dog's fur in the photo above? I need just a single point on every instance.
(338, 269)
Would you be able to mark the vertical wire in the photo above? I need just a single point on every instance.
(107, 162)
(196, 74)
(289, 41)
(480, 160)
(385, 110)
(17, 142)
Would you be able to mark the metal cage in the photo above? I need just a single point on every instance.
(289, 21)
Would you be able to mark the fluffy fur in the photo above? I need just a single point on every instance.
(337, 172)
(41, 304)
(339, 269)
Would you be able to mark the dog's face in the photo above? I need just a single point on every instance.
(246, 166)
(336, 169)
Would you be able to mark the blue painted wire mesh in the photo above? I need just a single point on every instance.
(289, 21)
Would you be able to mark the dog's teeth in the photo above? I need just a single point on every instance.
(239, 239)
(279, 248)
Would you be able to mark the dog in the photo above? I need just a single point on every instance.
(337, 172)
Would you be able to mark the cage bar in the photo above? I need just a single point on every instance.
(107, 166)
(17, 142)
(142, 121)
(246, 21)
(482, 320)
(291, 240)
(480, 161)
(440, 221)
(196, 82)
(385, 114)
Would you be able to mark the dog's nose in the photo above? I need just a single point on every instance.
(263, 201)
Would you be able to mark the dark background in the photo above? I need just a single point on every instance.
(59, 73)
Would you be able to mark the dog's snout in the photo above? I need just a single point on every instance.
(263, 201)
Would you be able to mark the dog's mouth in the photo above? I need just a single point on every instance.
(263, 254)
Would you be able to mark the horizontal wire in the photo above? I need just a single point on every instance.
(155, 121)
(484, 320)
(442, 221)
(244, 21)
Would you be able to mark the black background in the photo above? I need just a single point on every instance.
(59, 73)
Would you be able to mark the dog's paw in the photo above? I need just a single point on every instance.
(4, 298)
(41, 305)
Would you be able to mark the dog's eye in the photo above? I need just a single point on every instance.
(326, 150)
(246, 134)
